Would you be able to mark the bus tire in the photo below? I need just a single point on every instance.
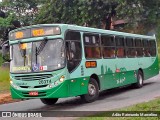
(49, 101)
(140, 80)
(93, 91)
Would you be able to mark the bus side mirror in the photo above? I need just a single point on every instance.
(5, 51)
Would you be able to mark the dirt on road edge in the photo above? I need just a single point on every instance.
(6, 98)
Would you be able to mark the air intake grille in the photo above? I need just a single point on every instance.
(41, 86)
(33, 77)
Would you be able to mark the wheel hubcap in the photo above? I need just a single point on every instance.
(91, 89)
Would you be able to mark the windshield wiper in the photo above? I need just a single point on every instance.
(41, 47)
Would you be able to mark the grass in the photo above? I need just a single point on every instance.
(159, 56)
(153, 105)
(4, 77)
(4, 80)
(1, 59)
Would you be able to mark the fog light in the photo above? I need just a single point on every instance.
(62, 78)
(14, 85)
(51, 86)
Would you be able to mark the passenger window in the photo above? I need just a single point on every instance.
(108, 46)
(152, 47)
(120, 47)
(138, 48)
(119, 41)
(138, 43)
(130, 50)
(92, 46)
(146, 48)
(107, 40)
(109, 52)
(129, 42)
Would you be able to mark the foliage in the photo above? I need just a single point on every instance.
(93, 11)
(79, 12)
(23, 10)
(1, 60)
(143, 11)
(5, 23)
(74, 11)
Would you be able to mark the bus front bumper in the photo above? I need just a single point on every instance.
(65, 89)
(56, 92)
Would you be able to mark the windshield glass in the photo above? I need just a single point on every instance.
(38, 56)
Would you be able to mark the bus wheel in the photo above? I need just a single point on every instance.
(139, 83)
(93, 91)
(49, 101)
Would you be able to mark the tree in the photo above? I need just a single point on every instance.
(74, 11)
(145, 12)
(23, 11)
(93, 12)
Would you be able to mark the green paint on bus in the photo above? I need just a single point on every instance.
(61, 60)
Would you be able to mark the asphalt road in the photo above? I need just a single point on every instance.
(108, 100)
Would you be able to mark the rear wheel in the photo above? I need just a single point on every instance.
(93, 91)
(139, 83)
(49, 101)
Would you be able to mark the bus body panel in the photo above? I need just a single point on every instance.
(111, 73)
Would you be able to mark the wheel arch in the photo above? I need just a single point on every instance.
(95, 76)
(141, 70)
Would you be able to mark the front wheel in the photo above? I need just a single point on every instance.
(49, 101)
(93, 91)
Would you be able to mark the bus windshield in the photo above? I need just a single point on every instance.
(37, 56)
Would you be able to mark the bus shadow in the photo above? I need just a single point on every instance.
(121, 90)
(149, 83)
(62, 105)
(75, 102)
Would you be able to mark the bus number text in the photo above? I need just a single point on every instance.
(45, 82)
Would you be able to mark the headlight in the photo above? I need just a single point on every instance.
(62, 78)
(11, 82)
(14, 85)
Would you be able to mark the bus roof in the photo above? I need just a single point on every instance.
(109, 32)
(89, 29)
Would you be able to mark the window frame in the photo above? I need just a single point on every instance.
(92, 45)
(152, 48)
(139, 49)
(113, 47)
(130, 47)
(121, 46)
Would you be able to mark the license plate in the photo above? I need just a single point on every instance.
(33, 93)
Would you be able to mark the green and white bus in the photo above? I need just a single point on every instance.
(52, 61)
